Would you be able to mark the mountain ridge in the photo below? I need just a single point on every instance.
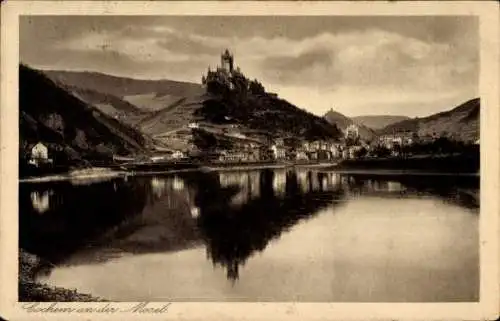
(376, 122)
(74, 131)
(459, 123)
(117, 85)
(160, 107)
(342, 122)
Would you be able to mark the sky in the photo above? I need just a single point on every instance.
(356, 65)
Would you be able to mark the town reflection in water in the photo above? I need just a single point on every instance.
(232, 214)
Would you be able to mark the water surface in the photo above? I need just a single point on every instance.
(261, 235)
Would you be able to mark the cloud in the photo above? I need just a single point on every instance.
(354, 63)
(353, 101)
(178, 43)
(312, 65)
(370, 58)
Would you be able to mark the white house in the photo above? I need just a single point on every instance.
(39, 154)
(193, 125)
(156, 159)
(177, 154)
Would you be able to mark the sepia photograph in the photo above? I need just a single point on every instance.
(249, 158)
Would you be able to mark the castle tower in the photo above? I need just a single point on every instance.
(227, 61)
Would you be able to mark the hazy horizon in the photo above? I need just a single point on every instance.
(359, 66)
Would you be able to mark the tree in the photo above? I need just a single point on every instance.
(256, 87)
(381, 151)
(217, 83)
(240, 83)
(361, 152)
(292, 142)
(352, 141)
(203, 140)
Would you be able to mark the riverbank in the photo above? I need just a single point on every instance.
(395, 172)
(464, 165)
(449, 164)
(244, 166)
(83, 175)
(97, 174)
(32, 291)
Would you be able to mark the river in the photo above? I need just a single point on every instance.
(261, 235)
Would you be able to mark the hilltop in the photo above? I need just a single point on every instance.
(164, 109)
(377, 122)
(74, 131)
(130, 89)
(131, 100)
(234, 99)
(460, 123)
(342, 122)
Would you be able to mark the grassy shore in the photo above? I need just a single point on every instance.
(32, 291)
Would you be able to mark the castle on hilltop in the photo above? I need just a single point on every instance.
(224, 72)
(228, 76)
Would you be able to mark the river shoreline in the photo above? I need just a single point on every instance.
(89, 174)
(32, 291)
(438, 164)
(447, 166)
(97, 173)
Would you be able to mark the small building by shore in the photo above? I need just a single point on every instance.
(40, 155)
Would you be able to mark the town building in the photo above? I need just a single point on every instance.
(279, 151)
(389, 141)
(279, 142)
(301, 155)
(232, 156)
(334, 149)
(352, 131)
(314, 146)
(322, 149)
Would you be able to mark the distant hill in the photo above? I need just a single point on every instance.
(376, 122)
(237, 100)
(126, 88)
(74, 131)
(342, 122)
(460, 123)
(131, 100)
(164, 108)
